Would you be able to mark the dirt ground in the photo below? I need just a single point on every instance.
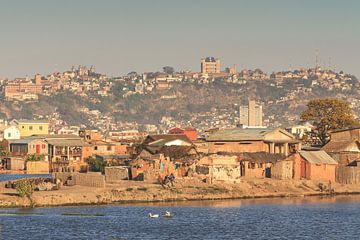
(183, 189)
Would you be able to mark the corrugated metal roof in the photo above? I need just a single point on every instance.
(263, 157)
(20, 141)
(54, 136)
(239, 134)
(317, 157)
(117, 156)
(342, 146)
(66, 142)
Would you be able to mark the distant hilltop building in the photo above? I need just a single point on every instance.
(251, 115)
(24, 88)
(210, 65)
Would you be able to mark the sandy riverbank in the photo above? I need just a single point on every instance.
(183, 190)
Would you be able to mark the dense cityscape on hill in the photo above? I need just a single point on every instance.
(156, 101)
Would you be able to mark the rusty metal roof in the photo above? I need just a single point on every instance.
(66, 142)
(261, 157)
(342, 146)
(317, 157)
(239, 134)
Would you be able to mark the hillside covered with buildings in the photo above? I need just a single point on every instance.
(156, 101)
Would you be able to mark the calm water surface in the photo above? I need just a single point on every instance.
(9, 177)
(311, 218)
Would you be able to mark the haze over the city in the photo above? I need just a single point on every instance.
(123, 36)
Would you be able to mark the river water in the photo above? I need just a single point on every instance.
(309, 218)
(10, 177)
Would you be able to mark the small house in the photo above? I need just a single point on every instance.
(314, 165)
(258, 164)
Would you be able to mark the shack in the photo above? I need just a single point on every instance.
(314, 165)
(258, 164)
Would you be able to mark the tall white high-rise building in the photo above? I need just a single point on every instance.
(251, 115)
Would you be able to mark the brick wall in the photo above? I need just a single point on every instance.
(253, 146)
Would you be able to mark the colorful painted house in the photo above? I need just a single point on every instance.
(31, 127)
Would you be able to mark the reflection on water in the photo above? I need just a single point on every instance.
(285, 218)
(251, 201)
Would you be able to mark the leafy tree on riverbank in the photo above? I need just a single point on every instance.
(328, 114)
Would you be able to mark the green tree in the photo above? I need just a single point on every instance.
(96, 164)
(328, 114)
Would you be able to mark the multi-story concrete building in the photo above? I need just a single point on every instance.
(31, 127)
(210, 65)
(251, 115)
(23, 88)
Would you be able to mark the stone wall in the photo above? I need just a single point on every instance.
(348, 175)
(219, 173)
(91, 179)
(116, 173)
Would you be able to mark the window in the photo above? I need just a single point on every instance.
(22, 127)
(43, 146)
(109, 147)
(252, 165)
(9, 134)
(95, 148)
(30, 127)
(40, 127)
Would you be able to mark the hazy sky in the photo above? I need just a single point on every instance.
(122, 36)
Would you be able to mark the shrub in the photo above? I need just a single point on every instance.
(25, 188)
(34, 157)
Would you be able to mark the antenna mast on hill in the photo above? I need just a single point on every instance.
(316, 58)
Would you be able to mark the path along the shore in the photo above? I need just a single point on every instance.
(183, 190)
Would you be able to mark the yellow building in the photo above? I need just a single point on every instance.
(210, 65)
(31, 127)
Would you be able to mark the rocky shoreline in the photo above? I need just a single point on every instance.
(183, 190)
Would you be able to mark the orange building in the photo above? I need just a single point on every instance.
(314, 165)
(240, 140)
